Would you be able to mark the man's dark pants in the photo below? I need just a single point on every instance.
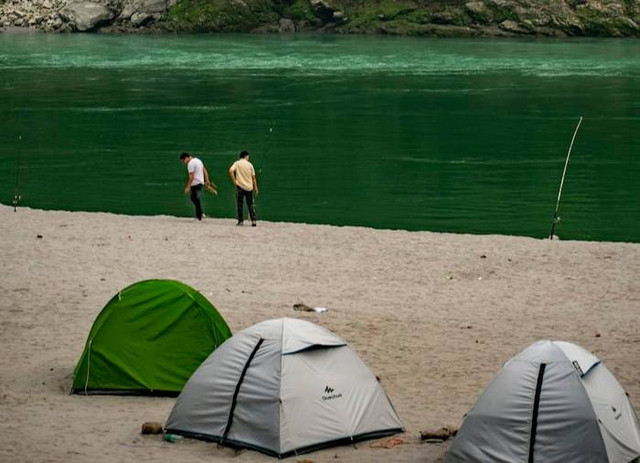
(240, 195)
(196, 193)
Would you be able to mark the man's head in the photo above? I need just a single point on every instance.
(185, 158)
(244, 155)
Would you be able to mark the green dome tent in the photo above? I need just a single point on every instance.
(148, 340)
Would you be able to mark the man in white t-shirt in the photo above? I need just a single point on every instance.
(243, 176)
(198, 178)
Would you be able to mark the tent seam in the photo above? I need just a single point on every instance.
(294, 452)
(86, 383)
(213, 327)
(280, 404)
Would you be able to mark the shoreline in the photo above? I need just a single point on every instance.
(312, 224)
(434, 315)
(434, 31)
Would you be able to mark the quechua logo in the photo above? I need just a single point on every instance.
(330, 394)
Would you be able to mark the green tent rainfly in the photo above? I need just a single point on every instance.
(148, 340)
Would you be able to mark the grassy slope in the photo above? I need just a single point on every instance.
(444, 17)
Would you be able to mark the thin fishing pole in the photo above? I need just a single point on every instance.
(556, 219)
(16, 191)
(266, 153)
(269, 147)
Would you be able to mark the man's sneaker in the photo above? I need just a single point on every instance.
(239, 224)
(253, 223)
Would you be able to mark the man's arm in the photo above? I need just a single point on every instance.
(255, 184)
(232, 175)
(188, 187)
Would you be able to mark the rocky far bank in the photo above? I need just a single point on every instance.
(448, 18)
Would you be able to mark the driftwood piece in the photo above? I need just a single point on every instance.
(151, 427)
(438, 434)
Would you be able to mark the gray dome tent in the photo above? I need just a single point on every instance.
(552, 403)
(283, 387)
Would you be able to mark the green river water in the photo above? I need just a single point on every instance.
(455, 135)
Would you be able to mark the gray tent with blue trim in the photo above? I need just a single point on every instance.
(552, 403)
(283, 387)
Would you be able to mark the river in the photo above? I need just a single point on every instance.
(451, 135)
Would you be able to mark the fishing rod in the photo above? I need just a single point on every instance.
(271, 129)
(556, 219)
(266, 153)
(16, 191)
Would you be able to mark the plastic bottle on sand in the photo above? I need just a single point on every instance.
(173, 438)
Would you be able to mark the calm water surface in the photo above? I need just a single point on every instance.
(461, 135)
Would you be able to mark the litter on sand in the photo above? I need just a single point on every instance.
(302, 307)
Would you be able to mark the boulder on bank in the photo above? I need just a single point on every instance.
(82, 15)
(286, 25)
(86, 16)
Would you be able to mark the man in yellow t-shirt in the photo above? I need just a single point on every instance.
(243, 176)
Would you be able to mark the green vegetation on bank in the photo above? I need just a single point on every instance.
(221, 16)
(238, 15)
(600, 18)
(411, 17)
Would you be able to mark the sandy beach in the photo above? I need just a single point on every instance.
(433, 315)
